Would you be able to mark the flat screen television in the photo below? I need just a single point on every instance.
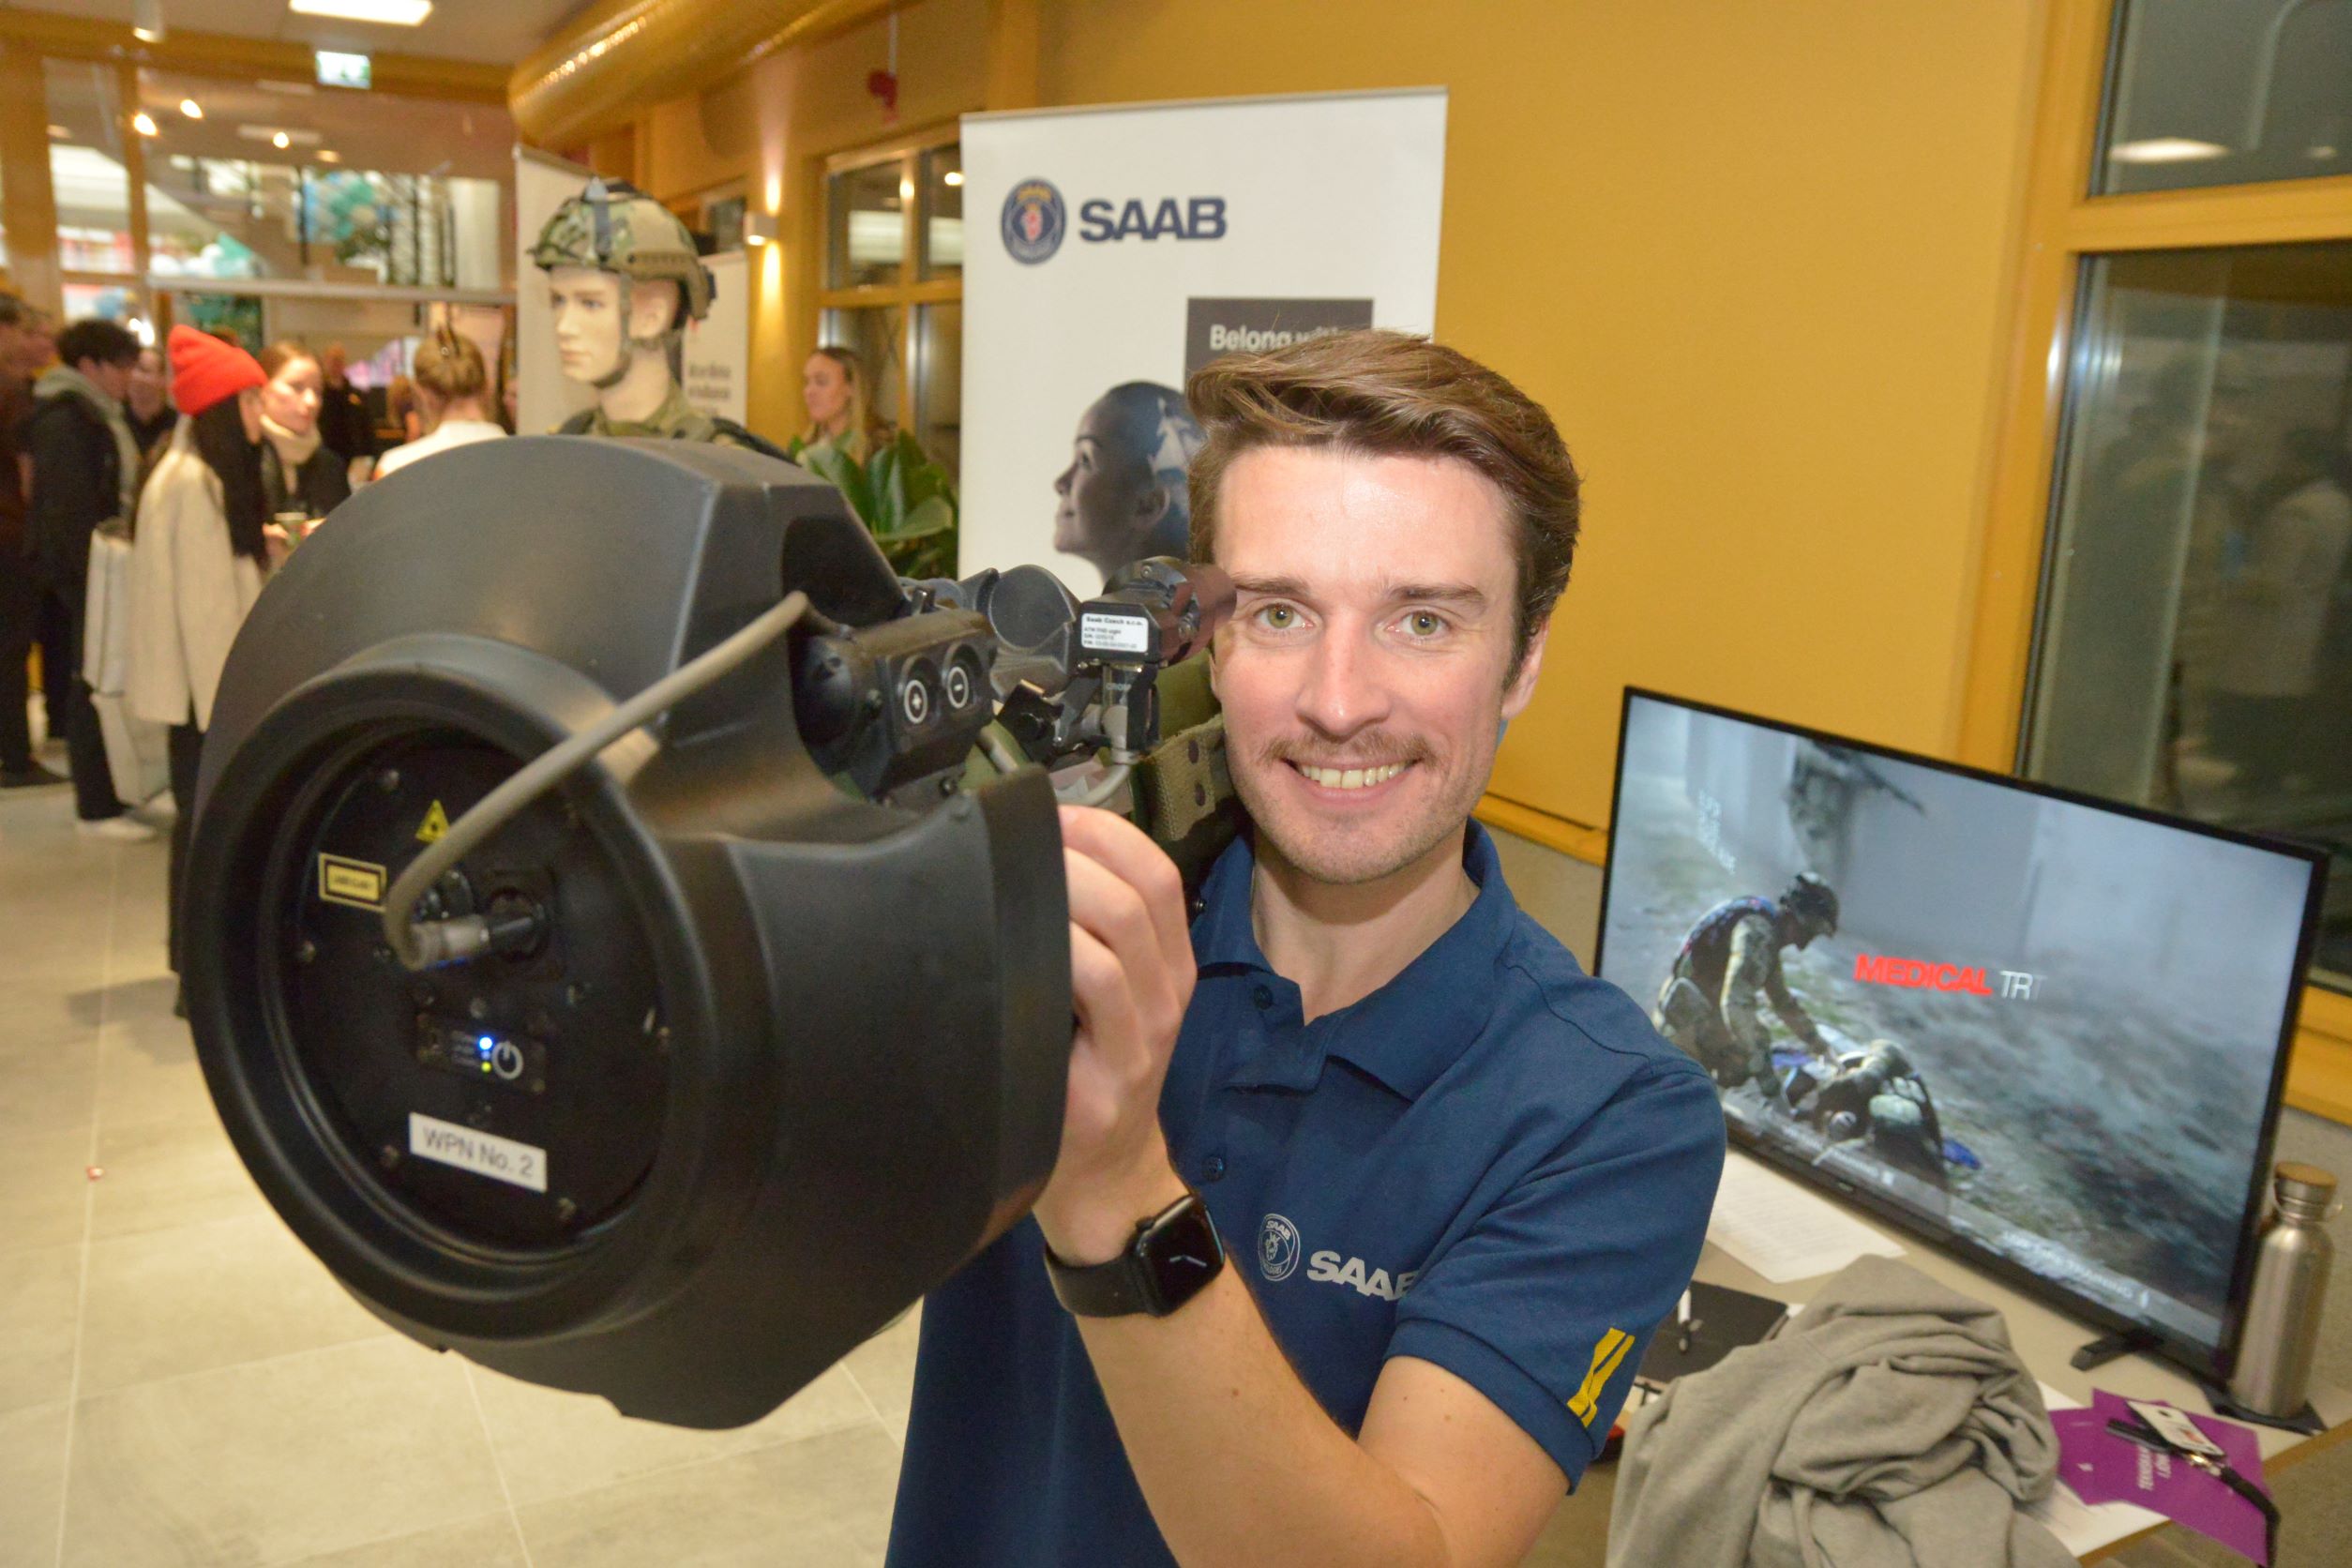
(2055, 1029)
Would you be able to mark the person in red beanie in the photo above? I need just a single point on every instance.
(204, 548)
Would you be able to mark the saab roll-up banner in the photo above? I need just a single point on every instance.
(1111, 252)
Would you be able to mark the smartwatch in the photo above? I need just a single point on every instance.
(1174, 1254)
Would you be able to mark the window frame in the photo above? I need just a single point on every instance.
(2061, 228)
(910, 291)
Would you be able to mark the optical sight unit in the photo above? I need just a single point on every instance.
(620, 934)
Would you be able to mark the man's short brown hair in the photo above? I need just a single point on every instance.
(1395, 394)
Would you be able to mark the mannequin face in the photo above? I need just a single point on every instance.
(588, 325)
(824, 388)
(292, 397)
(600, 320)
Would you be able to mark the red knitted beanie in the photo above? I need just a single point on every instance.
(206, 371)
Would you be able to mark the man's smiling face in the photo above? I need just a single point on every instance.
(1365, 675)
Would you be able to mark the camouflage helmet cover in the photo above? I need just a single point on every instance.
(615, 227)
(1810, 898)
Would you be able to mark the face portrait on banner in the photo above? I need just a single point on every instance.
(1124, 497)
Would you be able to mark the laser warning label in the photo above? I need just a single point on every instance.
(501, 1159)
(350, 882)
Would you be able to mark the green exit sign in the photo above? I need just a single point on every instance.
(345, 70)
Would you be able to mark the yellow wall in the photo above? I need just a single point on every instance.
(774, 125)
(1752, 259)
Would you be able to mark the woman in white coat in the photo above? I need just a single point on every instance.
(201, 550)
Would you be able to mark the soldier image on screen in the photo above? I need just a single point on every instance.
(624, 280)
(1729, 969)
(1875, 1097)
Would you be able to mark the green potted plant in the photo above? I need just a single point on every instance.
(902, 495)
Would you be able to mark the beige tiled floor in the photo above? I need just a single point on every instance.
(183, 1385)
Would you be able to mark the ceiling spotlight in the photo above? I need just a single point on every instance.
(144, 122)
(146, 21)
(328, 154)
(391, 13)
(60, 133)
(282, 140)
(190, 107)
(2166, 149)
(954, 176)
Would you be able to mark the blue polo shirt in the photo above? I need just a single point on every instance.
(1491, 1162)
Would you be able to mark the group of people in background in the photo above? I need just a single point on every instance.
(140, 518)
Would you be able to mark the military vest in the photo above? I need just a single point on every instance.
(1705, 953)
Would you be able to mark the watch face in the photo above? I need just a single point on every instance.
(1181, 1254)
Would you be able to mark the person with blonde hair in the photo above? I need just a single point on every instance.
(399, 408)
(838, 392)
(452, 386)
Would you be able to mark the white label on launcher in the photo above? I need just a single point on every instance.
(1114, 634)
(501, 1159)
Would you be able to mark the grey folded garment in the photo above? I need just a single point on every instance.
(1889, 1423)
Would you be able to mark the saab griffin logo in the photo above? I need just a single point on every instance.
(1034, 221)
(1277, 1247)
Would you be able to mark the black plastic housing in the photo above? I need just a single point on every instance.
(802, 1054)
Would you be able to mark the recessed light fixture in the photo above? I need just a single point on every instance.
(190, 107)
(328, 154)
(279, 136)
(2165, 149)
(390, 13)
(144, 122)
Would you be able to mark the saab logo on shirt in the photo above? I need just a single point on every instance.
(1325, 1268)
(1277, 1247)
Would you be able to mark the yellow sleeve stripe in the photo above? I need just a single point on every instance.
(1605, 1355)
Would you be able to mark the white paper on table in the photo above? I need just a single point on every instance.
(2078, 1526)
(1782, 1230)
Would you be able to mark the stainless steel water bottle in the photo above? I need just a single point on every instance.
(2290, 1283)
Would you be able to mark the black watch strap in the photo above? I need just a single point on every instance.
(1172, 1257)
